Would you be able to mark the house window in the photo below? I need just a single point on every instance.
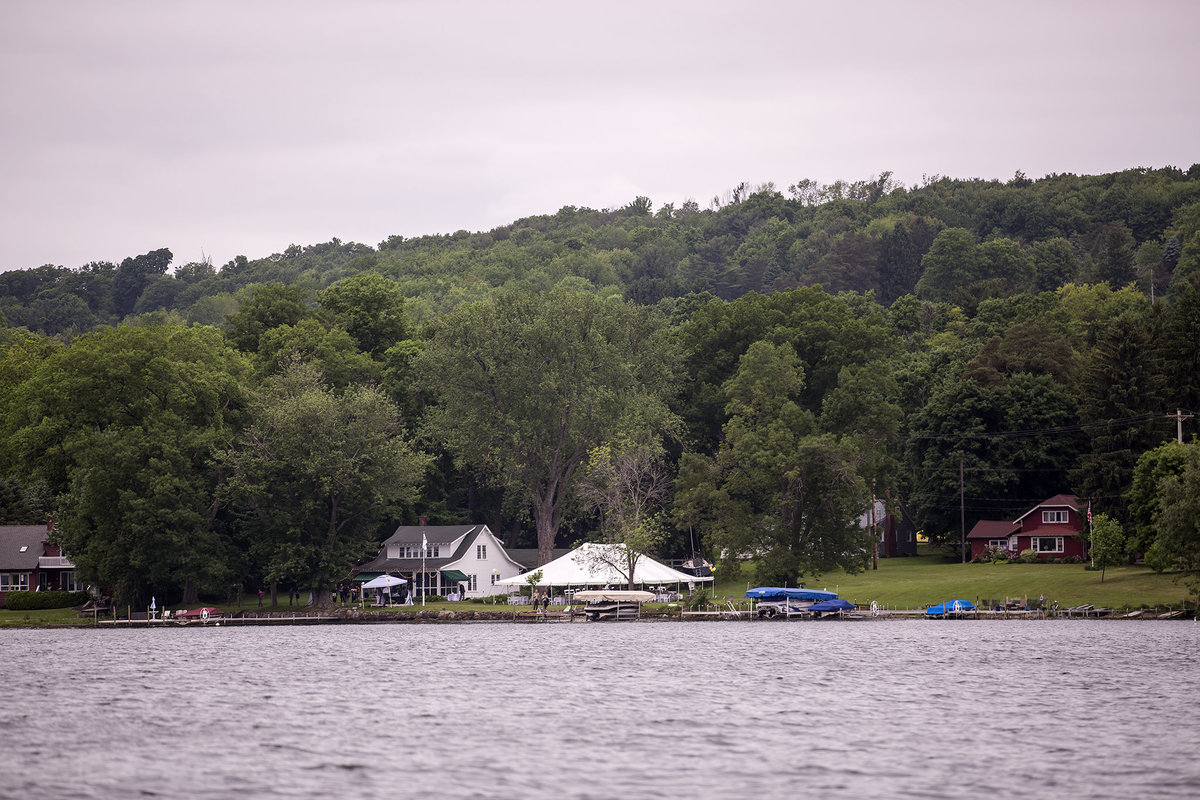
(472, 583)
(1054, 517)
(1012, 543)
(414, 551)
(1047, 544)
(67, 582)
(1001, 544)
(14, 581)
(481, 551)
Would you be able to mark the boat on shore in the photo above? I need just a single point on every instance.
(204, 615)
(779, 601)
(951, 609)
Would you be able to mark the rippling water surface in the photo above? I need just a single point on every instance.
(868, 709)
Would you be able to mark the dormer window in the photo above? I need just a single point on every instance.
(1054, 517)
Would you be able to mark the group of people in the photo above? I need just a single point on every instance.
(540, 600)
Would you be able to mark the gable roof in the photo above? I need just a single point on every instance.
(466, 535)
(437, 534)
(15, 537)
(1058, 501)
(993, 529)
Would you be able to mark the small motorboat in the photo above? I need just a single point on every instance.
(836, 607)
(612, 604)
(205, 614)
(951, 609)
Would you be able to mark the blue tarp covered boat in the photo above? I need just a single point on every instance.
(832, 606)
(780, 593)
(779, 601)
(950, 608)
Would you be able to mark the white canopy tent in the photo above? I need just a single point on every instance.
(595, 564)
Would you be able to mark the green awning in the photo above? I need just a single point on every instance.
(454, 575)
(363, 577)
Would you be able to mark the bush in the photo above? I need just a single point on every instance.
(1029, 556)
(1157, 559)
(32, 601)
(997, 555)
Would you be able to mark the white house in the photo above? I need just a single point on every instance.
(444, 560)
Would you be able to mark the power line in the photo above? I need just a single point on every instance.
(1083, 426)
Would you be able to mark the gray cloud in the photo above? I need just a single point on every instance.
(230, 128)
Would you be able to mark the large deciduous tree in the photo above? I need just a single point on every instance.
(777, 487)
(627, 484)
(121, 425)
(526, 386)
(315, 474)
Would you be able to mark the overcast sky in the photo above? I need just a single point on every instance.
(224, 128)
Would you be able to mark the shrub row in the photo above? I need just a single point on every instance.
(32, 601)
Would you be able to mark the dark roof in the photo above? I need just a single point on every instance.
(439, 534)
(993, 529)
(15, 537)
(434, 534)
(1058, 501)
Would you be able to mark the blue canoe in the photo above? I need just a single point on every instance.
(780, 593)
(949, 607)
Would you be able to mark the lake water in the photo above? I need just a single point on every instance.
(866, 709)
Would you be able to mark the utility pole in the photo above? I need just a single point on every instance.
(874, 530)
(1179, 417)
(962, 514)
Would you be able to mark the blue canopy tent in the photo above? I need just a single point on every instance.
(950, 607)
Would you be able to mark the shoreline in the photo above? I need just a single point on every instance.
(343, 616)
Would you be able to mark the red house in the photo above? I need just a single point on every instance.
(29, 562)
(1051, 529)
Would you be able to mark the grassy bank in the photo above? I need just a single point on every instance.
(927, 579)
(904, 583)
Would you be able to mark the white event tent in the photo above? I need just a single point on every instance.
(593, 564)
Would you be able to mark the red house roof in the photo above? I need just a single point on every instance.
(993, 529)
(1058, 501)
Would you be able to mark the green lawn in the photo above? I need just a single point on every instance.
(909, 583)
(899, 583)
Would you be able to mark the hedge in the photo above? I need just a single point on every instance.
(31, 601)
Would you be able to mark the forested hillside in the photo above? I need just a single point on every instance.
(745, 376)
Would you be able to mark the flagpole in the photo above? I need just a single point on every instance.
(424, 577)
(1091, 531)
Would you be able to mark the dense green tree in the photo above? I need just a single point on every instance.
(950, 263)
(134, 275)
(1055, 264)
(526, 386)
(263, 308)
(777, 487)
(1144, 497)
(370, 308)
(332, 351)
(1178, 520)
(1004, 259)
(314, 474)
(900, 252)
(121, 426)
(1122, 399)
